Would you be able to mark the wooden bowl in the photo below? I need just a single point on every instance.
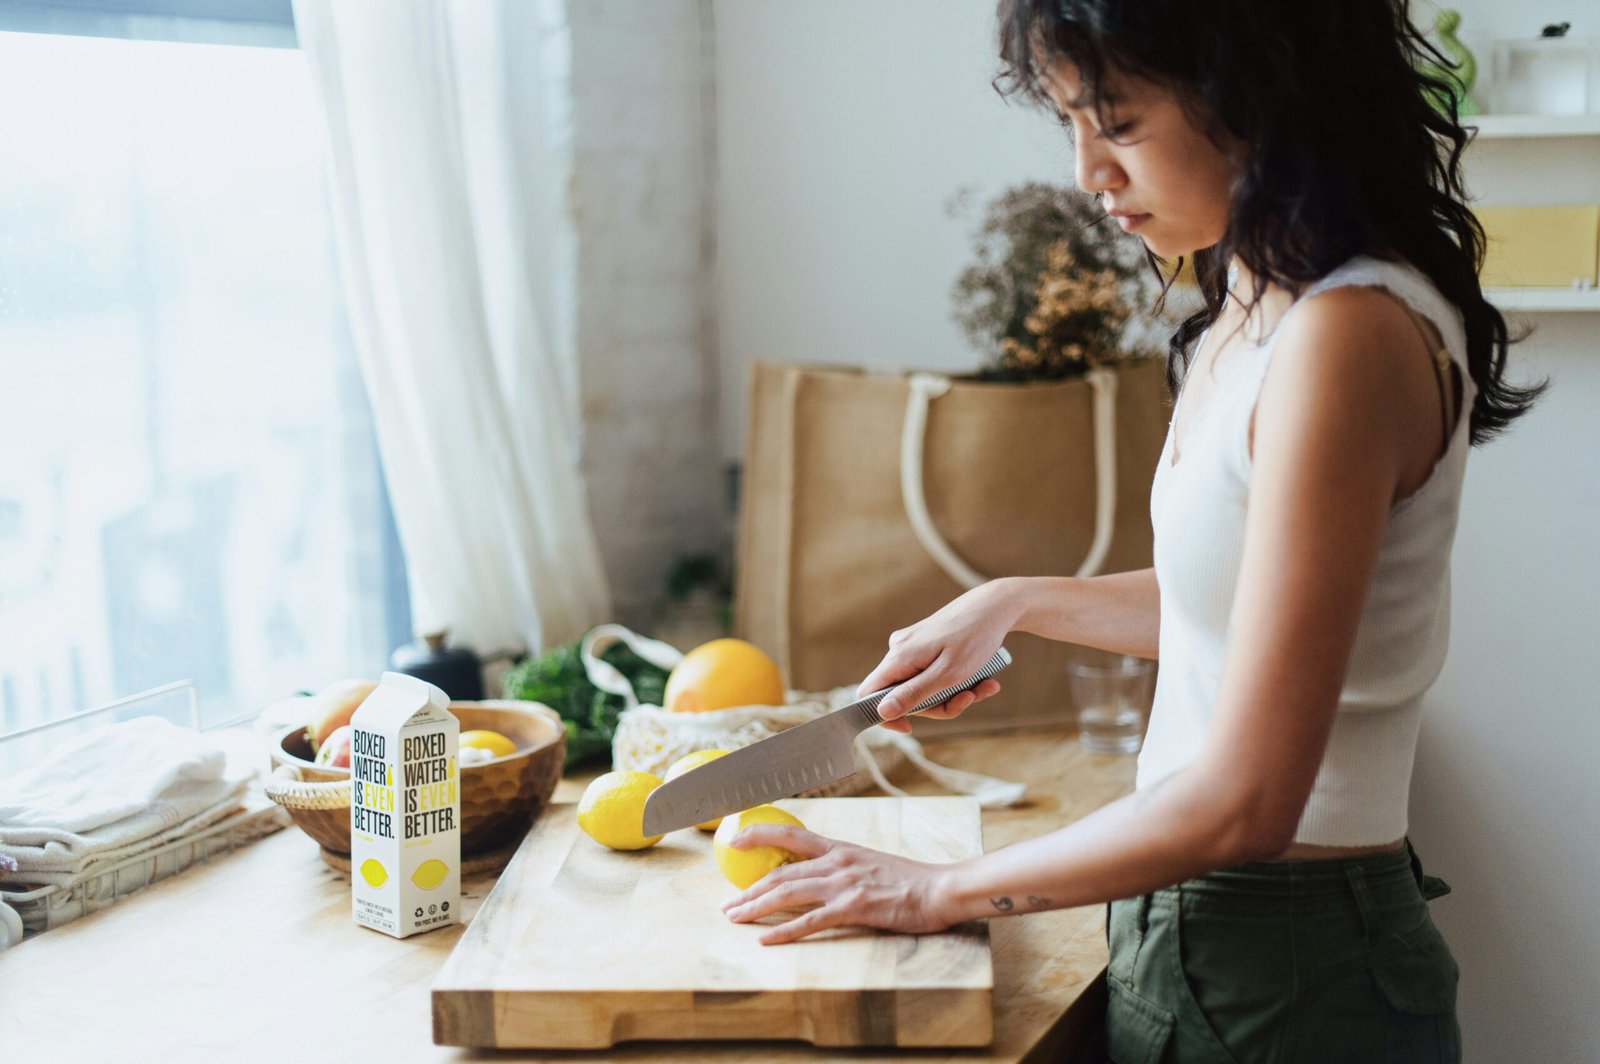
(499, 798)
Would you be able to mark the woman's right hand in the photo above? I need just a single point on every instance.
(943, 650)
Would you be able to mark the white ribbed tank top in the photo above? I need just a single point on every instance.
(1197, 508)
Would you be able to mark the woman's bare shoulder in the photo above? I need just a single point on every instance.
(1366, 324)
(1358, 350)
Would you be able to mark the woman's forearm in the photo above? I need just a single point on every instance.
(1120, 612)
(1181, 828)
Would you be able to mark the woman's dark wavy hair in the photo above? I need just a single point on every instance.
(1345, 155)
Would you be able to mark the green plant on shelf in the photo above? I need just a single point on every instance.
(1459, 75)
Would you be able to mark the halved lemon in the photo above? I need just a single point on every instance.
(492, 741)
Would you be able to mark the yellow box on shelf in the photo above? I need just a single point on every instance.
(1540, 247)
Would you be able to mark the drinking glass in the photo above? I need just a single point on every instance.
(1112, 696)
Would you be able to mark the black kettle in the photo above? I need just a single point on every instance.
(454, 670)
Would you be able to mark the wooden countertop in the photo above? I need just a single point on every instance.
(254, 956)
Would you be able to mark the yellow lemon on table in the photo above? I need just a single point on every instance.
(744, 867)
(492, 741)
(611, 811)
(687, 762)
(721, 674)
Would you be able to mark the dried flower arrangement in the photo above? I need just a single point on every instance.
(1053, 286)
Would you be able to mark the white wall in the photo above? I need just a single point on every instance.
(1505, 799)
(844, 127)
(642, 138)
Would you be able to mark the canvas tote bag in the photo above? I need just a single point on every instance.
(870, 500)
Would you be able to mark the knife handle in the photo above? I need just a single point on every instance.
(869, 705)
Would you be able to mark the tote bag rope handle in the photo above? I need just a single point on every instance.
(925, 387)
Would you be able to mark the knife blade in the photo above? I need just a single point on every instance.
(783, 765)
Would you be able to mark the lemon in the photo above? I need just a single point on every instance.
(723, 673)
(492, 741)
(744, 867)
(611, 811)
(374, 873)
(687, 762)
(430, 873)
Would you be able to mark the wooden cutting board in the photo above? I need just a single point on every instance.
(579, 946)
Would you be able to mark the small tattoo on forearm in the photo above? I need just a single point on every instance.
(1039, 903)
(1005, 905)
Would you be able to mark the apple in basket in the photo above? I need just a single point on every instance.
(332, 707)
(335, 750)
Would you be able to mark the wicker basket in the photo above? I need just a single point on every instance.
(499, 799)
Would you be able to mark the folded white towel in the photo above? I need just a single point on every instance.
(111, 792)
(107, 773)
(51, 862)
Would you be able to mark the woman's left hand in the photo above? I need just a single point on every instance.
(853, 886)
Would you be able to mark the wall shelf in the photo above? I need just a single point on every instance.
(1526, 299)
(1498, 126)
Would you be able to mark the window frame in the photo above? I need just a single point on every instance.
(259, 23)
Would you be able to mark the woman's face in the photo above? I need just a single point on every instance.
(1160, 168)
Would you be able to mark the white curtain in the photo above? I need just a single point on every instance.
(439, 119)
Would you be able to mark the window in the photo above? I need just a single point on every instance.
(189, 484)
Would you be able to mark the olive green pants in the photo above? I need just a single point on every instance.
(1284, 961)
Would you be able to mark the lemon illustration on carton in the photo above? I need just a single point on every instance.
(430, 873)
(374, 873)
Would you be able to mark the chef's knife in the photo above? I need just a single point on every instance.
(783, 765)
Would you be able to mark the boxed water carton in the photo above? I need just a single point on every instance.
(405, 809)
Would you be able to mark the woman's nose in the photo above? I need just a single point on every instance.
(1094, 170)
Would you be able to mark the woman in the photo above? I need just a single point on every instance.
(1303, 510)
